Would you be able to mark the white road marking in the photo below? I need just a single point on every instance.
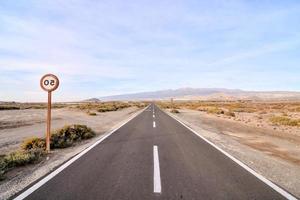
(153, 116)
(156, 174)
(257, 175)
(61, 168)
(154, 125)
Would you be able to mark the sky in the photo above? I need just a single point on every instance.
(99, 48)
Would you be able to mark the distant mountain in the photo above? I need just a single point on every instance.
(206, 94)
(92, 100)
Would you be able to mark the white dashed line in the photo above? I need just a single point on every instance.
(154, 125)
(156, 174)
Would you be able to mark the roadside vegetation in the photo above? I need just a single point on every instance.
(285, 121)
(9, 107)
(175, 111)
(23, 106)
(91, 113)
(92, 108)
(283, 114)
(97, 106)
(32, 150)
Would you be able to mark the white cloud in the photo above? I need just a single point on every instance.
(140, 45)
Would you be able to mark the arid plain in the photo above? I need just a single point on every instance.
(264, 135)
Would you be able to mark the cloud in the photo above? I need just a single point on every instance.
(112, 47)
(261, 51)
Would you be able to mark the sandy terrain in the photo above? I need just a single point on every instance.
(262, 119)
(17, 125)
(283, 116)
(272, 153)
(30, 124)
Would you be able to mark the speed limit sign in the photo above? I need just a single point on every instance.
(49, 83)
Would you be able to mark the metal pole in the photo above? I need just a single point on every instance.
(48, 124)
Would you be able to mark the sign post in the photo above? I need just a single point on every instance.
(49, 83)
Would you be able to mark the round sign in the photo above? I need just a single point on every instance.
(49, 82)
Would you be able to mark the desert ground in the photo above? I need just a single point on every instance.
(17, 125)
(264, 135)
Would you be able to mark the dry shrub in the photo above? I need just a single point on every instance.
(17, 159)
(285, 121)
(230, 114)
(202, 109)
(263, 112)
(105, 106)
(34, 148)
(34, 143)
(175, 111)
(66, 136)
(297, 109)
(8, 107)
(92, 113)
(215, 110)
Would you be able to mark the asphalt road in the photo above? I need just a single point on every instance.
(154, 157)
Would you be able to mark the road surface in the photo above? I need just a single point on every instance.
(154, 157)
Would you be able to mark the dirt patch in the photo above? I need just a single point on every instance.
(273, 150)
(13, 124)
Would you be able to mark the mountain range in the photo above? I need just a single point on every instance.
(203, 94)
